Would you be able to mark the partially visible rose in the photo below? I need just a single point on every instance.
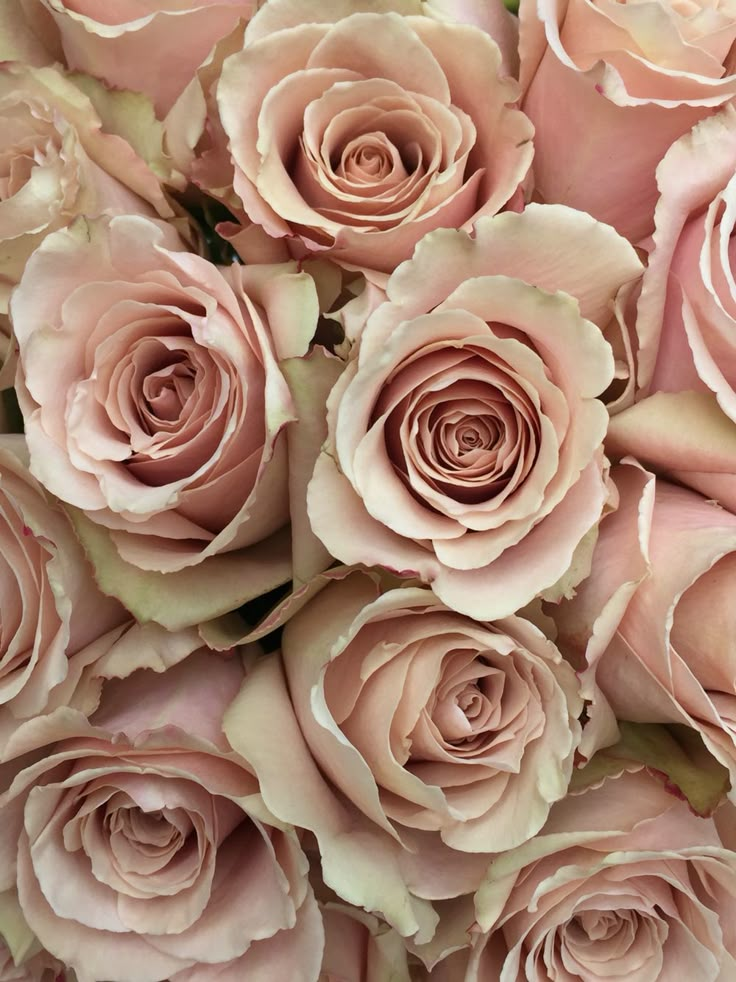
(154, 402)
(141, 846)
(654, 621)
(624, 882)
(687, 311)
(627, 75)
(440, 739)
(491, 17)
(354, 130)
(55, 622)
(151, 46)
(464, 442)
(57, 163)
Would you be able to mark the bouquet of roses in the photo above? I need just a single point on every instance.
(367, 491)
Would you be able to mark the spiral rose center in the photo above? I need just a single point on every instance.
(167, 391)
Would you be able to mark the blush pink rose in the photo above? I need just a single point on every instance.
(624, 883)
(687, 311)
(141, 847)
(38, 968)
(354, 130)
(464, 442)
(632, 77)
(151, 46)
(56, 163)
(154, 402)
(448, 738)
(55, 622)
(653, 624)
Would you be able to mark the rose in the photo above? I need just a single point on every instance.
(623, 883)
(447, 738)
(464, 441)
(143, 847)
(55, 621)
(153, 401)
(654, 622)
(626, 75)
(374, 128)
(687, 309)
(147, 46)
(56, 164)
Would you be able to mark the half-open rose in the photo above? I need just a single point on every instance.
(623, 883)
(464, 440)
(153, 399)
(630, 78)
(358, 131)
(439, 740)
(141, 847)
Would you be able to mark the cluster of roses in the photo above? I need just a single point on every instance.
(368, 551)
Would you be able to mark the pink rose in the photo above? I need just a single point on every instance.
(154, 404)
(151, 46)
(55, 621)
(687, 311)
(141, 847)
(464, 442)
(654, 621)
(56, 163)
(448, 737)
(39, 968)
(355, 130)
(623, 883)
(631, 77)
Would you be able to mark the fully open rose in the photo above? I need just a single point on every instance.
(449, 738)
(357, 132)
(464, 442)
(623, 883)
(142, 848)
(121, 43)
(152, 394)
(624, 75)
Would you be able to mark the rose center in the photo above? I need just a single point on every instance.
(167, 390)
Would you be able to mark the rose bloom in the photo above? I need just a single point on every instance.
(56, 164)
(151, 391)
(687, 311)
(652, 896)
(355, 130)
(151, 46)
(449, 738)
(626, 75)
(55, 621)
(140, 845)
(464, 442)
(654, 622)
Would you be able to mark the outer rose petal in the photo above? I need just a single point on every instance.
(123, 47)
